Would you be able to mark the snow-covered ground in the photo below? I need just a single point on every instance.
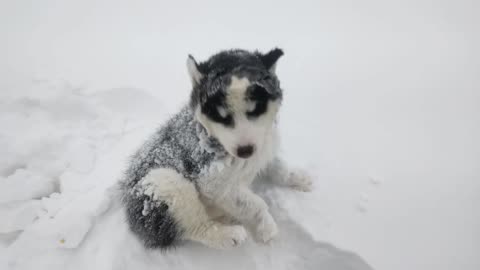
(382, 107)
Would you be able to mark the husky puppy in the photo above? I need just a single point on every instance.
(190, 180)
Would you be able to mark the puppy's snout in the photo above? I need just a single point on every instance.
(245, 151)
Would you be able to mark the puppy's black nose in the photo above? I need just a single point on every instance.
(245, 151)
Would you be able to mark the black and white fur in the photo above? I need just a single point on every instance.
(190, 180)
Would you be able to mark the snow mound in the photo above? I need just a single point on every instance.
(65, 149)
(110, 245)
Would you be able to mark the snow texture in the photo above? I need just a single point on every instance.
(70, 218)
(381, 105)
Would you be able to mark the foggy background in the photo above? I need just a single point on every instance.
(382, 102)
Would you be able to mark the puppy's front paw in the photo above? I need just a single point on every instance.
(300, 180)
(266, 229)
(232, 236)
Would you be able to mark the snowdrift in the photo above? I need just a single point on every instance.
(64, 151)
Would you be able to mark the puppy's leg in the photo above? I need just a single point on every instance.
(250, 209)
(182, 199)
(278, 172)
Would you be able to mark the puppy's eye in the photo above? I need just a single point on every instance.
(257, 102)
(215, 109)
(251, 105)
(222, 112)
(220, 115)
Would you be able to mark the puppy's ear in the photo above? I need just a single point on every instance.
(270, 59)
(193, 71)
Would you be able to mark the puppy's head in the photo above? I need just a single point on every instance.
(236, 96)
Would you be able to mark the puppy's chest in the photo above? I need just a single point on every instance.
(238, 170)
(233, 172)
(227, 174)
